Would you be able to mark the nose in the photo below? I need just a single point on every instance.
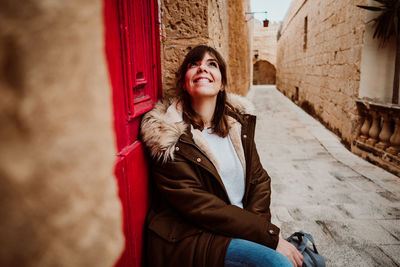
(202, 68)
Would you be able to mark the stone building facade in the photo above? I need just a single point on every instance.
(264, 52)
(218, 23)
(326, 65)
(265, 42)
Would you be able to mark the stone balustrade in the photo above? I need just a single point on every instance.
(379, 133)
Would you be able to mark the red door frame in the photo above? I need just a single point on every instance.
(132, 46)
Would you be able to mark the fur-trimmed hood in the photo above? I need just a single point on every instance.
(163, 125)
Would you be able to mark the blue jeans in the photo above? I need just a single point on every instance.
(246, 253)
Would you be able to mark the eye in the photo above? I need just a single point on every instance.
(213, 64)
(192, 64)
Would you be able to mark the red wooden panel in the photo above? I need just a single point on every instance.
(133, 93)
(131, 170)
(115, 68)
(138, 28)
(132, 49)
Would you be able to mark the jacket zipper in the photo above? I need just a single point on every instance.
(248, 184)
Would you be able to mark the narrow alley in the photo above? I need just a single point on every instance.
(77, 78)
(351, 207)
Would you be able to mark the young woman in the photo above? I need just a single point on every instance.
(211, 202)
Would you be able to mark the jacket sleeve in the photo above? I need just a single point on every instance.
(179, 183)
(259, 196)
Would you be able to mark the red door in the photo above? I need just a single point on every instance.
(132, 50)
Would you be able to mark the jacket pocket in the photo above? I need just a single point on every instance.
(172, 228)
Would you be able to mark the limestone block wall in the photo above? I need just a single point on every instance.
(218, 26)
(59, 204)
(240, 63)
(265, 43)
(319, 57)
(185, 24)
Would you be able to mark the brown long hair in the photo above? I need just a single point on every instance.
(219, 123)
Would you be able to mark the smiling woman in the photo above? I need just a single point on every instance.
(201, 82)
(212, 196)
(203, 78)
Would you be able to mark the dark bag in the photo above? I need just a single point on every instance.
(311, 258)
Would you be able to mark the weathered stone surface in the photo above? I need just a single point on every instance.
(265, 41)
(59, 203)
(325, 54)
(264, 52)
(185, 19)
(218, 19)
(239, 47)
(220, 24)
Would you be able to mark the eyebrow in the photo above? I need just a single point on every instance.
(208, 60)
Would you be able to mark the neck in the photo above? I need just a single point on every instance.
(205, 107)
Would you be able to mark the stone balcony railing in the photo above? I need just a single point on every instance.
(379, 136)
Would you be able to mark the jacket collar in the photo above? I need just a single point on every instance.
(162, 127)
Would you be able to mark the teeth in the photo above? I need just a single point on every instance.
(202, 79)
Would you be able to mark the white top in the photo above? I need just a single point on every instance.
(230, 168)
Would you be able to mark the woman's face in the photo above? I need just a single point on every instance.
(203, 78)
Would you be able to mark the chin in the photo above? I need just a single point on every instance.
(204, 94)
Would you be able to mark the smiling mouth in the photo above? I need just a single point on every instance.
(202, 80)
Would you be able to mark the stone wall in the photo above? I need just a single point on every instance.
(319, 55)
(240, 63)
(216, 23)
(218, 26)
(184, 24)
(59, 203)
(264, 52)
(265, 43)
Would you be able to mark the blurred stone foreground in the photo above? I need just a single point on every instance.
(58, 196)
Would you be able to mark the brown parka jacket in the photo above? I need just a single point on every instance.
(191, 220)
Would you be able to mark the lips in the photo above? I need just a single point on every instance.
(202, 80)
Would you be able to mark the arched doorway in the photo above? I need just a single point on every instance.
(264, 72)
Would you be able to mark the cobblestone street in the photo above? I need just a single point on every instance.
(351, 207)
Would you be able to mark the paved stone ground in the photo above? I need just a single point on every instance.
(351, 207)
